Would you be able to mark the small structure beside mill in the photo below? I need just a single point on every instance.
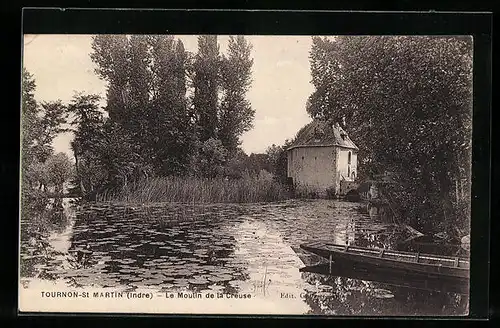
(321, 156)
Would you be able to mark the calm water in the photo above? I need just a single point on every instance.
(226, 248)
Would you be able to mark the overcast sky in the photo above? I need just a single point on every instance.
(61, 66)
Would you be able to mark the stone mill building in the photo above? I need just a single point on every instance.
(321, 156)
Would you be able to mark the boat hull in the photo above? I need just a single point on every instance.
(423, 268)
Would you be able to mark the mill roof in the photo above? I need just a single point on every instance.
(320, 133)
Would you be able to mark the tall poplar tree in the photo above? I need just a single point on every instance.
(172, 133)
(150, 104)
(205, 82)
(138, 90)
(235, 112)
(110, 54)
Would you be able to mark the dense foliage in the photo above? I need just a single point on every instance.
(42, 171)
(407, 103)
(168, 112)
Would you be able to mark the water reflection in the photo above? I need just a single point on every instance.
(339, 295)
(225, 248)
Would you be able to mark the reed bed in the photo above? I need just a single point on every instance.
(195, 190)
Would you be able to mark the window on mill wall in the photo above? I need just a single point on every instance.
(349, 158)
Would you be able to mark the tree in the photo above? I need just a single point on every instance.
(235, 112)
(87, 125)
(160, 126)
(406, 102)
(40, 123)
(146, 99)
(273, 152)
(59, 170)
(212, 158)
(29, 118)
(37, 175)
(279, 160)
(137, 93)
(205, 82)
(257, 162)
(237, 165)
(51, 117)
(172, 134)
(110, 53)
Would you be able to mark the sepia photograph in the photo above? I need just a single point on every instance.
(246, 174)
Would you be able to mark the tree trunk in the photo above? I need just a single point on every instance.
(78, 176)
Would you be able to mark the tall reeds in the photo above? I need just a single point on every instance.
(195, 190)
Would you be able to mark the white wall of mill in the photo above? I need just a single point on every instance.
(312, 167)
(343, 156)
(320, 168)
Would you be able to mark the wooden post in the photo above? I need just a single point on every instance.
(330, 264)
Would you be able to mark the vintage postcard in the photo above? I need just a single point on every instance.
(246, 174)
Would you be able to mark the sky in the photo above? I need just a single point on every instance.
(61, 66)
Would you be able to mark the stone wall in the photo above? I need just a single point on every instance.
(312, 168)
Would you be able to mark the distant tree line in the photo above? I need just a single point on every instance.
(407, 103)
(42, 170)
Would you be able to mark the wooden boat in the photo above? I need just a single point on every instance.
(430, 264)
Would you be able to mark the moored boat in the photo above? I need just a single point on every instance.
(430, 264)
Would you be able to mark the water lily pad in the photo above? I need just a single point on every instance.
(237, 283)
(133, 278)
(220, 278)
(134, 245)
(382, 293)
(181, 282)
(156, 281)
(325, 288)
(166, 287)
(198, 281)
(216, 287)
(125, 261)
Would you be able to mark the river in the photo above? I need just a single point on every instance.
(248, 253)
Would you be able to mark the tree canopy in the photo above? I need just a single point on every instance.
(407, 103)
(169, 112)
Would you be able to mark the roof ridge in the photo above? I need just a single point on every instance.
(320, 132)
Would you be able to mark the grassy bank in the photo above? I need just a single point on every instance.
(194, 190)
